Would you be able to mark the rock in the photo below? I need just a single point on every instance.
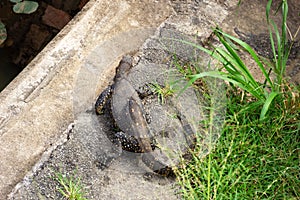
(55, 18)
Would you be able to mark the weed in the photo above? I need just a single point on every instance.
(70, 187)
(162, 92)
(186, 69)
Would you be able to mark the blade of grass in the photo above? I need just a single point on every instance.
(267, 104)
(240, 73)
(221, 75)
(240, 64)
(284, 37)
(273, 48)
(253, 55)
(278, 54)
(268, 8)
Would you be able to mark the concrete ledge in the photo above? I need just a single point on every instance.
(37, 106)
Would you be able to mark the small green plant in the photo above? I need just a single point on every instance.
(24, 7)
(186, 69)
(162, 92)
(70, 187)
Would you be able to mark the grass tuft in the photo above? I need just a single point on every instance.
(70, 187)
(162, 92)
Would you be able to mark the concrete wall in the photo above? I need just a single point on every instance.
(37, 107)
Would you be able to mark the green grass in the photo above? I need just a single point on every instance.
(252, 159)
(70, 187)
(162, 92)
(258, 153)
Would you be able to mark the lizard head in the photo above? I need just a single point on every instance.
(124, 67)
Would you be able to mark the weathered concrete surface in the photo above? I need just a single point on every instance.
(38, 105)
